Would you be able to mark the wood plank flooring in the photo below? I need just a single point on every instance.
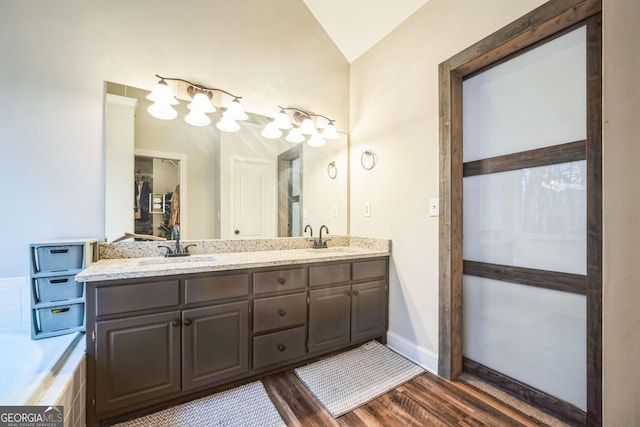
(427, 400)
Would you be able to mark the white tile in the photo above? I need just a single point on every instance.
(10, 296)
(10, 316)
(26, 295)
(14, 282)
(26, 315)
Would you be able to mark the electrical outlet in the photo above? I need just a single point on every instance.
(434, 206)
(367, 209)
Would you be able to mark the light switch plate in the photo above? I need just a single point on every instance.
(334, 212)
(434, 206)
(367, 209)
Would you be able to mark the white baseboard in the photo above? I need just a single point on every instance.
(413, 352)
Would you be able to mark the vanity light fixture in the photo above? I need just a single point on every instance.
(199, 107)
(273, 130)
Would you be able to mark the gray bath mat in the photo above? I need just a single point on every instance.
(247, 405)
(343, 382)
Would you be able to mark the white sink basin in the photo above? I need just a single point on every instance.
(179, 260)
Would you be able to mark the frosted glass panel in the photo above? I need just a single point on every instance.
(537, 99)
(534, 217)
(534, 335)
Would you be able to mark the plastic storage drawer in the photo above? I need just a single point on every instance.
(60, 317)
(58, 288)
(58, 258)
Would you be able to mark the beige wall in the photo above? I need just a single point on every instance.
(56, 56)
(394, 111)
(621, 154)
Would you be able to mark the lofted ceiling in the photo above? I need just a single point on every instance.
(356, 25)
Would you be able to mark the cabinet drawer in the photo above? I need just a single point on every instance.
(329, 274)
(369, 269)
(281, 280)
(136, 296)
(58, 258)
(279, 312)
(215, 288)
(278, 347)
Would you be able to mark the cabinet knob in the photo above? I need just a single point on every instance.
(282, 312)
(348, 293)
(237, 232)
(281, 347)
(175, 323)
(282, 280)
(356, 293)
(187, 322)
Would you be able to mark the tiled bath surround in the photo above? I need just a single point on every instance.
(15, 300)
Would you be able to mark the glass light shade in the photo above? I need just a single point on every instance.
(162, 94)
(307, 127)
(197, 118)
(201, 104)
(162, 111)
(330, 132)
(282, 121)
(271, 131)
(294, 136)
(235, 111)
(316, 140)
(228, 124)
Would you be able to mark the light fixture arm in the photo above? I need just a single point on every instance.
(307, 114)
(201, 87)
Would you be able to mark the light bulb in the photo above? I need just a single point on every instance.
(235, 110)
(162, 111)
(294, 136)
(161, 93)
(330, 132)
(316, 140)
(197, 118)
(282, 120)
(201, 104)
(228, 124)
(271, 131)
(307, 128)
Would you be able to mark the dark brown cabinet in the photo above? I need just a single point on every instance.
(137, 359)
(214, 344)
(163, 339)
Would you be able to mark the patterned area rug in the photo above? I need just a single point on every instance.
(247, 405)
(343, 382)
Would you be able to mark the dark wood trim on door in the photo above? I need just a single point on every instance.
(566, 282)
(569, 152)
(594, 220)
(542, 23)
(564, 411)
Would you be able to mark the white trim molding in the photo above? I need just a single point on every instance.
(413, 352)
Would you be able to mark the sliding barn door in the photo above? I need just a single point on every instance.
(525, 219)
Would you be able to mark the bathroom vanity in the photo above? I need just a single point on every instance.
(163, 331)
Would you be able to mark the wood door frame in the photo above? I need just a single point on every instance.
(525, 33)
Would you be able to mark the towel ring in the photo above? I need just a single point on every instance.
(368, 160)
(332, 170)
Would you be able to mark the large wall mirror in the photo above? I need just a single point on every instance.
(214, 184)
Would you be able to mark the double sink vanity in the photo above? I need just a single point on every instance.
(165, 330)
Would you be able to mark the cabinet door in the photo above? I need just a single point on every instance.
(137, 359)
(215, 344)
(329, 318)
(368, 310)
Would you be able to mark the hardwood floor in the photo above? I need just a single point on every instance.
(427, 400)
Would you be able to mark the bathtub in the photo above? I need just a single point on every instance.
(28, 367)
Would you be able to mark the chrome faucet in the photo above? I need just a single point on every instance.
(320, 244)
(177, 250)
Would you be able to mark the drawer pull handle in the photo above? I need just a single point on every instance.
(282, 312)
(54, 281)
(282, 280)
(281, 347)
(187, 322)
(356, 293)
(175, 323)
(60, 310)
(58, 251)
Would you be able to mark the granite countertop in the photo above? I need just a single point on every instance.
(131, 268)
